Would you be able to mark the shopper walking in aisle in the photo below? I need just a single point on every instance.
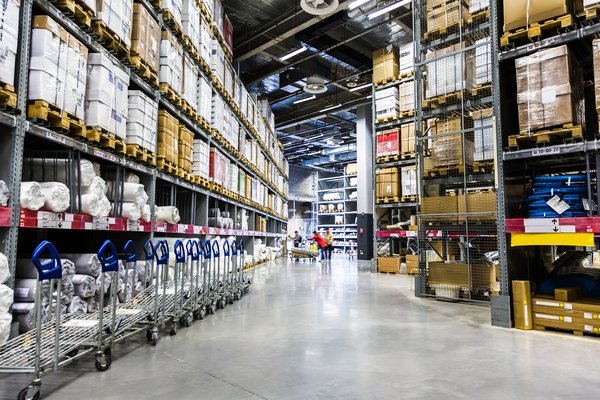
(329, 241)
(297, 239)
(320, 242)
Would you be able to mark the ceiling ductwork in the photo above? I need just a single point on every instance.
(315, 85)
(319, 7)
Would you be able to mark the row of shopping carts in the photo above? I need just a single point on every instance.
(206, 276)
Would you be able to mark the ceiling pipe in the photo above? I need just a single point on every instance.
(318, 114)
(347, 157)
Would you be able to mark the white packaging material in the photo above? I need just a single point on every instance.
(4, 270)
(146, 213)
(95, 206)
(132, 192)
(25, 315)
(217, 61)
(407, 58)
(408, 181)
(190, 19)
(78, 306)
(85, 286)
(217, 112)
(483, 61)
(9, 15)
(205, 41)
(142, 121)
(5, 321)
(57, 170)
(175, 7)
(86, 264)
(107, 283)
(131, 211)
(169, 214)
(97, 187)
(117, 15)
(190, 83)
(4, 194)
(92, 305)
(56, 195)
(483, 134)
(449, 73)
(204, 99)
(6, 298)
(171, 63)
(32, 197)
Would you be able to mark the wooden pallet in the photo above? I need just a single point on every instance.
(204, 12)
(199, 180)
(483, 167)
(143, 69)
(8, 97)
(479, 17)
(482, 90)
(49, 115)
(171, 22)
(170, 94)
(109, 39)
(408, 199)
(406, 75)
(189, 110)
(591, 13)
(389, 272)
(387, 119)
(78, 11)
(406, 114)
(388, 159)
(388, 200)
(385, 81)
(564, 134)
(108, 140)
(537, 30)
(165, 166)
(451, 170)
(443, 31)
(141, 154)
(443, 100)
(411, 155)
(558, 330)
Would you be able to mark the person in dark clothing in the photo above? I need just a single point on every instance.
(297, 239)
(320, 242)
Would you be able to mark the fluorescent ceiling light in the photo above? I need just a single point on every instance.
(293, 53)
(369, 96)
(361, 87)
(389, 8)
(357, 3)
(305, 99)
(331, 108)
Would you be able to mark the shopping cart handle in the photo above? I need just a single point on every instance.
(241, 246)
(130, 254)
(226, 248)
(192, 249)
(51, 269)
(215, 248)
(179, 250)
(207, 252)
(163, 257)
(108, 257)
(149, 250)
(234, 249)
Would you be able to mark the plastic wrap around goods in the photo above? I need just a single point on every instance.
(24, 313)
(78, 306)
(57, 197)
(95, 206)
(6, 298)
(142, 120)
(5, 321)
(97, 187)
(169, 214)
(171, 62)
(131, 211)
(32, 197)
(132, 192)
(4, 194)
(4, 270)
(85, 285)
(9, 15)
(189, 91)
(449, 71)
(117, 15)
(58, 170)
(190, 19)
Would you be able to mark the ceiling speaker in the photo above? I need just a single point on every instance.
(319, 7)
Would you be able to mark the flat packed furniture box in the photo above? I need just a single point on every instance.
(473, 276)
(388, 264)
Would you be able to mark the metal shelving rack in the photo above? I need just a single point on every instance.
(518, 166)
(345, 234)
(457, 227)
(79, 233)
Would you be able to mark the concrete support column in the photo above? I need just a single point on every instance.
(366, 177)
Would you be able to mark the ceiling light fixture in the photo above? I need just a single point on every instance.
(357, 3)
(361, 87)
(331, 108)
(369, 96)
(305, 99)
(389, 8)
(293, 53)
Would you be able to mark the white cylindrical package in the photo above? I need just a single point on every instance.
(4, 194)
(131, 211)
(97, 187)
(25, 314)
(92, 304)
(85, 286)
(95, 206)
(169, 214)
(4, 271)
(6, 298)
(146, 214)
(78, 306)
(86, 264)
(40, 169)
(132, 192)
(107, 283)
(32, 197)
(128, 177)
(56, 195)
(5, 321)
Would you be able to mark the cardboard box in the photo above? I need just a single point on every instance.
(483, 134)
(388, 143)
(448, 151)
(406, 96)
(386, 64)
(171, 62)
(408, 179)
(449, 70)
(440, 205)
(145, 36)
(450, 14)
(388, 182)
(477, 202)
(407, 138)
(412, 263)
(474, 276)
(567, 294)
(523, 316)
(388, 264)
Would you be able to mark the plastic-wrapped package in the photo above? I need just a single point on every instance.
(124, 292)
(5, 321)
(85, 286)
(56, 195)
(97, 187)
(41, 169)
(131, 211)
(169, 214)
(25, 315)
(86, 264)
(78, 306)
(95, 206)
(32, 197)
(4, 270)
(4, 194)
(132, 193)
(6, 298)
(146, 213)
(92, 304)
(107, 283)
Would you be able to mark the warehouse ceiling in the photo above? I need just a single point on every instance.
(333, 50)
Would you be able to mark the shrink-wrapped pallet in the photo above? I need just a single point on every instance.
(190, 83)
(190, 18)
(145, 37)
(200, 158)
(449, 70)
(116, 15)
(204, 99)
(173, 10)
(217, 61)
(57, 197)
(142, 121)
(168, 137)
(171, 62)
(9, 14)
(185, 148)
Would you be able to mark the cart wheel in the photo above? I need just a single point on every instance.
(103, 363)
(187, 320)
(221, 304)
(152, 337)
(212, 308)
(23, 394)
(230, 299)
(73, 353)
(173, 331)
(237, 296)
(200, 313)
(246, 289)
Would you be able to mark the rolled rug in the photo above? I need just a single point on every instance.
(97, 187)
(95, 206)
(32, 197)
(169, 214)
(25, 315)
(146, 213)
(84, 285)
(107, 283)
(85, 264)
(56, 195)
(40, 169)
(92, 305)
(132, 192)
(78, 306)
(131, 211)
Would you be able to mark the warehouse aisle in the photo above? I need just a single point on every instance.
(309, 332)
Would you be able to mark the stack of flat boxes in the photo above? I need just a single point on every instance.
(201, 159)
(206, 41)
(566, 310)
(449, 72)
(145, 37)
(448, 150)
(107, 96)
(387, 103)
(408, 180)
(186, 148)
(218, 113)
(388, 182)
(406, 97)
(204, 99)
(217, 61)
(57, 70)
(168, 137)
(218, 16)
(242, 183)
(175, 8)
(388, 143)
(386, 64)
(483, 134)
(442, 14)
(233, 184)
(406, 59)
(117, 17)
(190, 20)
(142, 121)
(216, 166)
(9, 41)
(483, 62)
(189, 83)
(171, 62)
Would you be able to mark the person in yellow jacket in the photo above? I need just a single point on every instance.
(329, 241)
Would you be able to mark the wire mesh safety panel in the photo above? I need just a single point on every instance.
(455, 149)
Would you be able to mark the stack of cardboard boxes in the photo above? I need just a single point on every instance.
(189, 84)
(387, 103)
(145, 37)
(9, 41)
(520, 13)
(142, 121)
(450, 70)
(190, 20)
(116, 15)
(171, 62)
(455, 149)
(445, 14)
(168, 138)
(388, 182)
(185, 149)
(200, 159)
(388, 143)
(217, 167)
(386, 64)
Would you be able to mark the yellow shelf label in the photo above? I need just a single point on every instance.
(552, 239)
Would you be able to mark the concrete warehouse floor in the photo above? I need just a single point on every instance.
(310, 332)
